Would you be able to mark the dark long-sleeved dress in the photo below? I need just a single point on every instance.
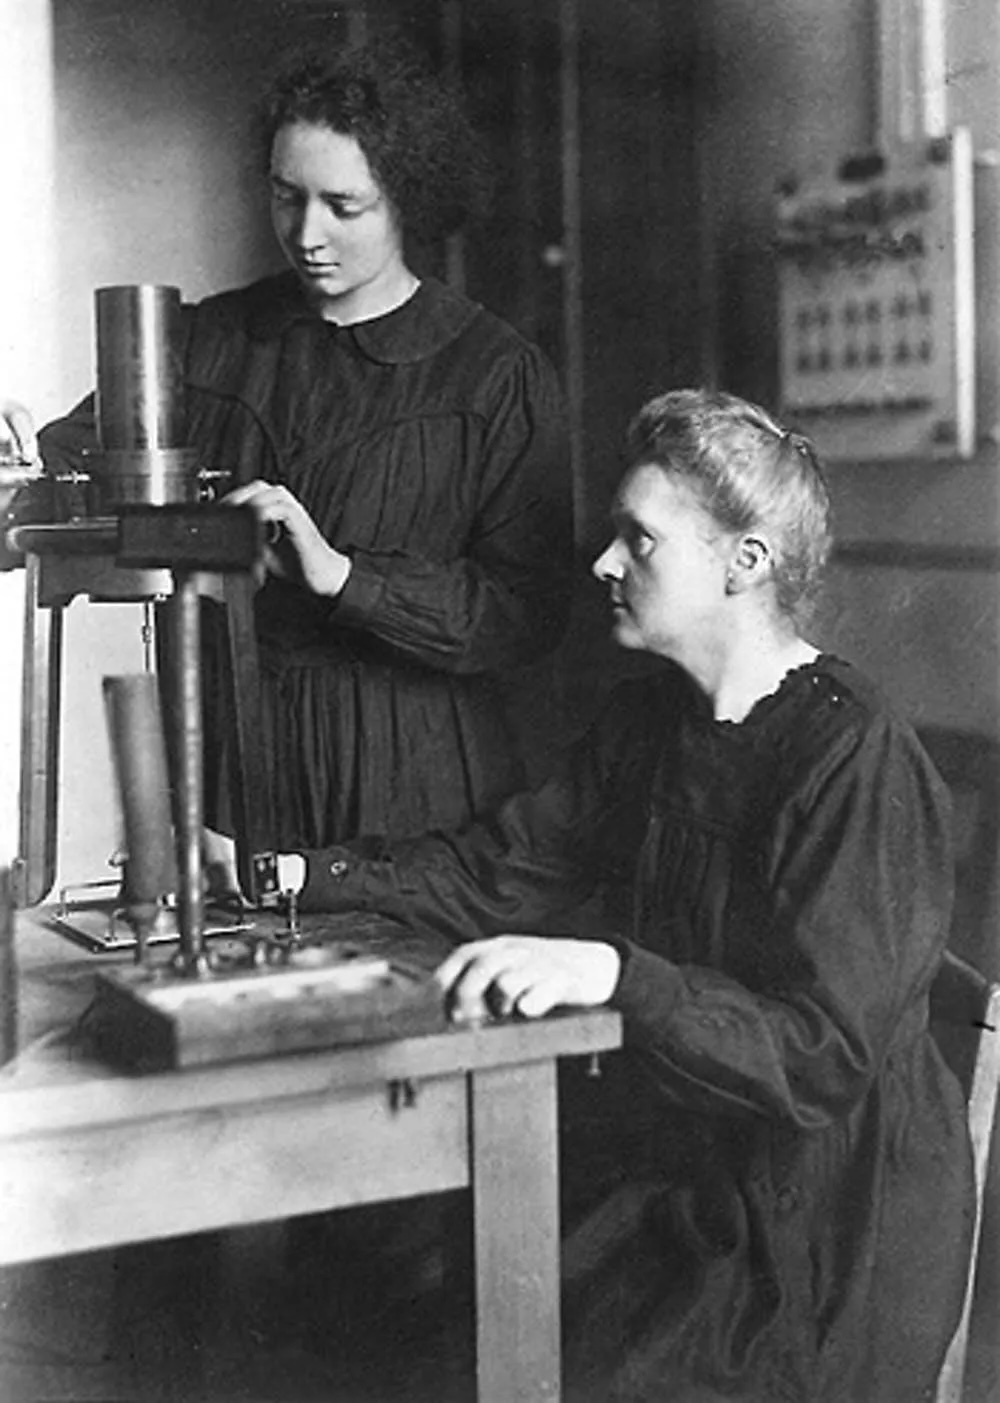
(429, 445)
(807, 1228)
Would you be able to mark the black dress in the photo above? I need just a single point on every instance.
(429, 445)
(803, 1145)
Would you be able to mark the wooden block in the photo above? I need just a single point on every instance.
(148, 1020)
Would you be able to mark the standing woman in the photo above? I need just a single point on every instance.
(408, 450)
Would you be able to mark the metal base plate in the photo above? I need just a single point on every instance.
(91, 915)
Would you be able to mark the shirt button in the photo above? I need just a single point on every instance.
(338, 869)
(787, 1199)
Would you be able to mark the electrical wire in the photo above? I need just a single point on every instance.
(231, 397)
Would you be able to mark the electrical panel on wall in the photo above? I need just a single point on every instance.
(876, 304)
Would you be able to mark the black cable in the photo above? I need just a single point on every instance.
(230, 397)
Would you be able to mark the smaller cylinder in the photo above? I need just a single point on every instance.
(137, 743)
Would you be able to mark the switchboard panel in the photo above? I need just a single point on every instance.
(876, 304)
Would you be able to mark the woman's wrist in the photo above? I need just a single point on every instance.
(605, 971)
(291, 872)
(335, 576)
(595, 970)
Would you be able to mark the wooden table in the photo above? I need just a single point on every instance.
(90, 1158)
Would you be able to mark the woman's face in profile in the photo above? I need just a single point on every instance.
(666, 567)
(334, 224)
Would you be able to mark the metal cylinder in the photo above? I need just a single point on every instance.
(141, 413)
(138, 746)
(140, 384)
(149, 477)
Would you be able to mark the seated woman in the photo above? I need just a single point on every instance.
(803, 1145)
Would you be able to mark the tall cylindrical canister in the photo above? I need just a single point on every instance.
(140, 381)
(141, 411)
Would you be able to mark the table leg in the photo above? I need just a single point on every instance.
(515, 1195)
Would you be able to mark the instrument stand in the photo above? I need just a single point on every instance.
(84, 558)
(277, 985)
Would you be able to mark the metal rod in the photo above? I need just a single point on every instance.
(41, 698)
(190, 800)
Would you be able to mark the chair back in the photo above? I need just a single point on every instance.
(965, 1020)
(8, 970)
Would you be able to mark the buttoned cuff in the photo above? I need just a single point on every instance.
(361, 595)
(336, 880)
(648, 985)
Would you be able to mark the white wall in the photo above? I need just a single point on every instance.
(29, 344)
(134, 165)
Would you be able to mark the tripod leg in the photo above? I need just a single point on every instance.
(35, 868)
(256, 860)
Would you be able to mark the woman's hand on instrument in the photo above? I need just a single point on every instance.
(527, 975)
(218, 860)
(17, 432)
(296, 548)
(19, 460)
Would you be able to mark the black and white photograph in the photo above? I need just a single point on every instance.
(500, 701)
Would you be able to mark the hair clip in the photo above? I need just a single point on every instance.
(796, 440)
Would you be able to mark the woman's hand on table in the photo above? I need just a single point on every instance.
(528, 975)
(296, 548)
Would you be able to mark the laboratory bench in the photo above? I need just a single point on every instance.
(92, 1157)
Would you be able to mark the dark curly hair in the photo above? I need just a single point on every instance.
(409, 121)
(750, 473)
